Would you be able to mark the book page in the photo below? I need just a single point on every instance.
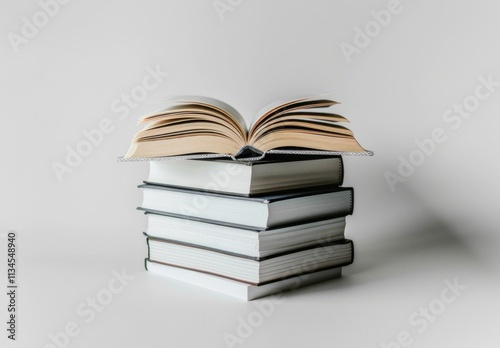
(208, 102)
(287, 104)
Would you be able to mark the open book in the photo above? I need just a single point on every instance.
(193, 125)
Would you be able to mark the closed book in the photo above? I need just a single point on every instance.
(273, 174)
(251, 270)
(259, 212)
(249, 242)
(243, 291)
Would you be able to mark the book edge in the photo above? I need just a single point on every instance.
(240, 290)
(366, 153)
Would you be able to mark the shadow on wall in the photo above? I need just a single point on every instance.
(425, 247)
(410, 238)
(429, 247)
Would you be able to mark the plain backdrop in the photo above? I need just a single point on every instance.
(439, 224)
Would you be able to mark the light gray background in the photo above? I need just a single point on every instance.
(441, 223)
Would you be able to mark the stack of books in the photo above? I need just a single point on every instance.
(249, 222)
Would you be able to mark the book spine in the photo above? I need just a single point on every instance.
(351, 208)
(352, 251)
(341, 171)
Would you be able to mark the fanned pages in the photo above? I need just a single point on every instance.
(192, 125)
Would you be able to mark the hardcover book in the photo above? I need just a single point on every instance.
(243, 291)
(260, 212)
(251, 270)
(194, 125)
(249, 242)
(272, 174)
